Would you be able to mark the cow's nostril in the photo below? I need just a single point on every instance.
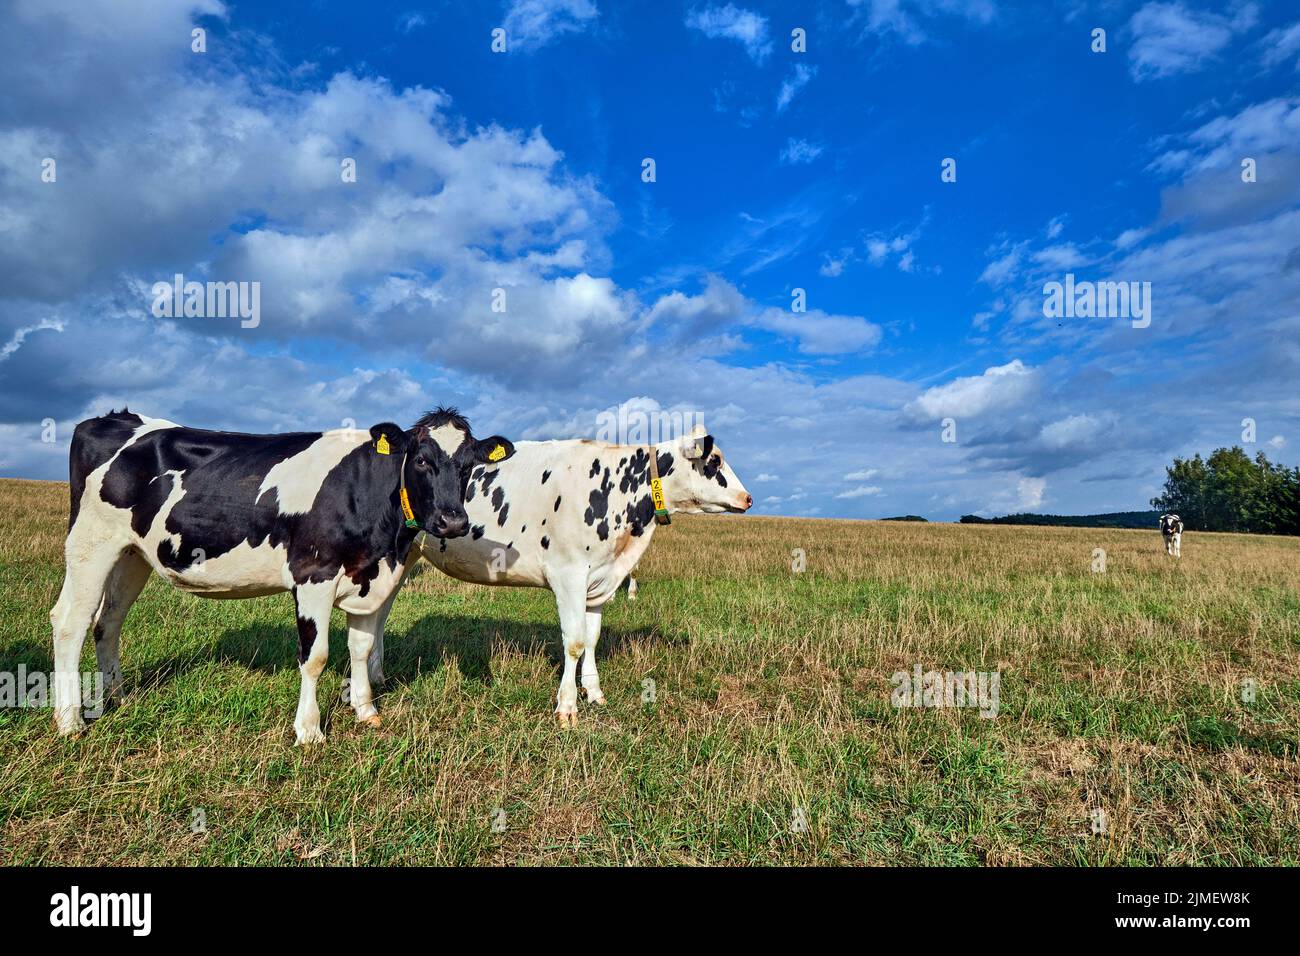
(452, 526)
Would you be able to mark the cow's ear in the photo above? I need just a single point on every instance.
(387, 438)
(698, 446)
(493, 451)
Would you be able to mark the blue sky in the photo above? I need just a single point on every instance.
(775, 170)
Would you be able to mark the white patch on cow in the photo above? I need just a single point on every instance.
(298, 479)
(449, 438)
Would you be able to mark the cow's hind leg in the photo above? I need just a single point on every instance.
(127, 580)
(313, 602)
(571, 602)
(87, 571)
(375, 661)
(590, 676)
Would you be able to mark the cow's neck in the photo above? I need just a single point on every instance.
(393, 525)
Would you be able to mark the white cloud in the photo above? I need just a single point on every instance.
(531, 24)
(906, 18)
(865, 475)
(796, 81)
(1031, 491)
(764, 476)
(798, 151)
(20, 335)
(1281, 45)
(1169, 38)
(1001, 270)
(862, 491)
(1074, 430)
(731, 22)
(411, 20)
(821, 334)
(1000, 388)
(1131, 237)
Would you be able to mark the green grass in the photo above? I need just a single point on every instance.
(1119, 692)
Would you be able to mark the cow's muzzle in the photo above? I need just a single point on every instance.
(450, 525)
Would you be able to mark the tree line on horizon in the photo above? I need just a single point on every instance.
(1230, 491)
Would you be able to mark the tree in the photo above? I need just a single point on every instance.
(1230, 492)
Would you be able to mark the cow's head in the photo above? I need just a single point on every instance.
(439, 453)
(701, 480)
(1169, 523)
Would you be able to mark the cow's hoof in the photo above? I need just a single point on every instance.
(372, 721)
(310, 736)
(567, 719)
(595, 697)
(69, 722)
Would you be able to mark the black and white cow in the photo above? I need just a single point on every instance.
(1171, 527)
(576, 517)
(328, 516)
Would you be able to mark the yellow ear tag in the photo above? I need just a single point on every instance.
(381, 445)
(497, 453)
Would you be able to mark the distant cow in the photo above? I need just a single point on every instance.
(327, 516)
(576, 517)
(1171, 527)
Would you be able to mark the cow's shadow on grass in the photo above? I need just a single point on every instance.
(424, 647)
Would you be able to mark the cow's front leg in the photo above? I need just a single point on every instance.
(365, 638)
(313, 602)
(590, 676)
(571, 602)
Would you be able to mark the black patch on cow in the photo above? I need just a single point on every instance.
(602, 530)
(149, 502)
(710, 464)
(498, 497)
(476, 532)
(469, 491)
(546, 542)
(545, 475)
(488, 478)
(595, 468)
(442, 547)
(598, 501)
(557, 503)
(505, 510)
(640, 513)
(523, 529)
(306, 634)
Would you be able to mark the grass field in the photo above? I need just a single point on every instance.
(1120, 692)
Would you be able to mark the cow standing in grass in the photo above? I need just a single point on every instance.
(1171, 528)
(328, 516)
(576, 517)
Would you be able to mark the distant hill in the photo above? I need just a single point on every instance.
(1146, 520)
(906, 518)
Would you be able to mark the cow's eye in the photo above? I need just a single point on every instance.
(422, 464)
